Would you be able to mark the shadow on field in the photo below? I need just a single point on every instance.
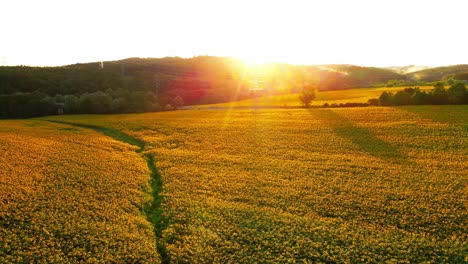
(448, 114)
(360, 136)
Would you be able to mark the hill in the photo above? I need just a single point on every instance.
(407, 69)
(438, 73)
(198, 79)
(151, 84)
(357, 76)
(462, 76)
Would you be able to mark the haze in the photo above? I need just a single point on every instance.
(361, 32)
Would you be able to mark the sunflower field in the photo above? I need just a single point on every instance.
(71, 195)
(347, 185)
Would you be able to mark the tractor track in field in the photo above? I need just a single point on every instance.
(153, 210)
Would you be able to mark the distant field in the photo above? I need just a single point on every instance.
(358, 95)
(71, 195)
(355, 185)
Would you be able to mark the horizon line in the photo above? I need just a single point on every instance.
(232, 57)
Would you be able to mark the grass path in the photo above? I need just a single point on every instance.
(153, 210)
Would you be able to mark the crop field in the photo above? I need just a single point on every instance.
(71, 195)
(346, 185)
(357, 95)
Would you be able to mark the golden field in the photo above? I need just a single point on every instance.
(71, 195)
(347, 185)
(356, 95)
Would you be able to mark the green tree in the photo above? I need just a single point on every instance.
(95, 103)
(457, 93)
(307, 95)
(386, 98)
(439, 94)
(402, 98)
(72, 104)
(419, 97)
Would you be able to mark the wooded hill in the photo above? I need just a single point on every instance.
(151, 84)
(457, 72)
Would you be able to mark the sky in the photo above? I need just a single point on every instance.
(361, 32)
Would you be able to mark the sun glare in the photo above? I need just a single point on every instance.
(253, 60)
(257, 32)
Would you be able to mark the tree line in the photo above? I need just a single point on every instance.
(127, 86)
(33, 104)
(457, 93)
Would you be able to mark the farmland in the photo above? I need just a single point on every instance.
(70, 195)
(357, 95)
(354, 185)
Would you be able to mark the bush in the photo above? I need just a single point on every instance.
(373, 101)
